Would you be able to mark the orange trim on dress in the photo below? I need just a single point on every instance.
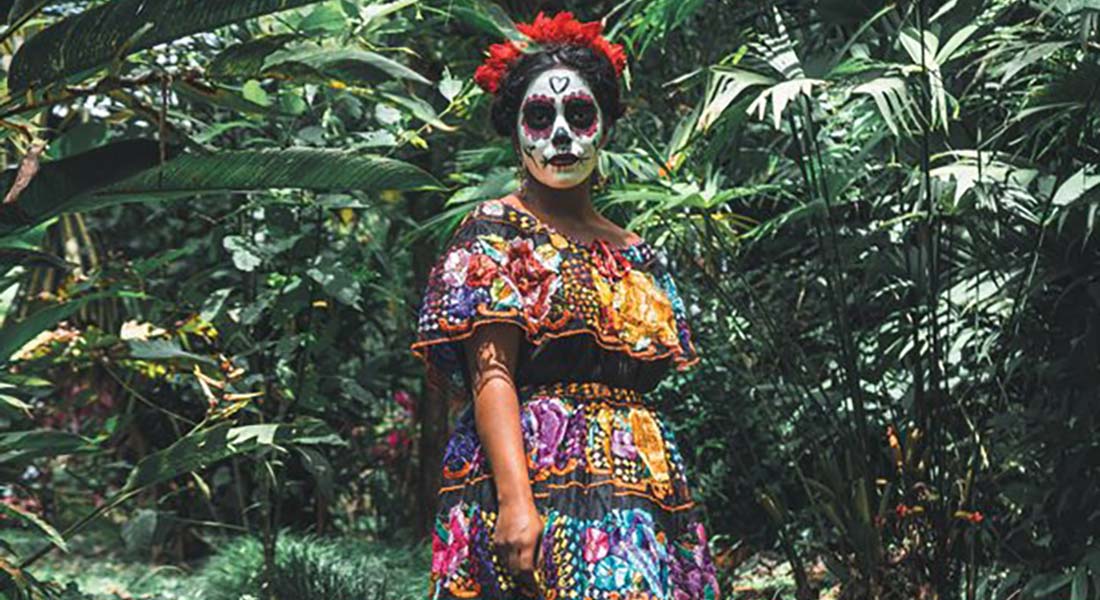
(535, 336)
(627, 489)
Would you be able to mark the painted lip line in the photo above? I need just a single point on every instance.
(564, 160)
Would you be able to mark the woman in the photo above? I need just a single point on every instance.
(560, 479)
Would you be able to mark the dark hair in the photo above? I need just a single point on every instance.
(596, 69)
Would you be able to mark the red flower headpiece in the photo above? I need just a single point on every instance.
(562, 28)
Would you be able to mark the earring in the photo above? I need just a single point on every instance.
(521, 181)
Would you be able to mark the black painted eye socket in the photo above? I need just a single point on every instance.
(538, 115)
(580, 113)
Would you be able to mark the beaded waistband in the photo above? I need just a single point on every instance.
(583, 390)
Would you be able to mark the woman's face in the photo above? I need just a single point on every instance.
(559, 128)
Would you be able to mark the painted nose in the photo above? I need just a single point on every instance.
(561, 137)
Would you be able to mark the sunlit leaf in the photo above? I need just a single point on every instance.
(92, 38)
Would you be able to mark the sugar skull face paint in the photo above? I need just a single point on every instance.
(559, 128)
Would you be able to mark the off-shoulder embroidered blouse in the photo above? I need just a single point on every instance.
(589, 312)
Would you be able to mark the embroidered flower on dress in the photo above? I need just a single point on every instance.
(462, 303)
(638, 310)
(535, 282)
(448, 555)
(622, 444)
(645, 310)
(492, 208)
(596, 544)
(503, 265)
(454, 267)
(480, 271)
(609, 261)
(549, 429)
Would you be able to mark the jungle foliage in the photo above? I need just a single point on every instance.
(218, 216)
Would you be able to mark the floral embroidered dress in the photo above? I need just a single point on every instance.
(601, 326)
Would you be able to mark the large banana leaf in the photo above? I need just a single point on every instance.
(251, 170)
(346, 65)
(266, 57)
(70, 177)
(120, 27)
(95, 179)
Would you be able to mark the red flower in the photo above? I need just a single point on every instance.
(480, 271)
(405, 401)
(562, 28)
(609, 261)
(501, 56)
(533, 280)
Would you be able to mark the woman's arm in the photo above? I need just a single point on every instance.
(491, 358)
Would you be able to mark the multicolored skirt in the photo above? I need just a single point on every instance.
(608, 480)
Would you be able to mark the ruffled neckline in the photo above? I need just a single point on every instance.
(639, 252)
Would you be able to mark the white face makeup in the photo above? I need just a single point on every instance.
(559, 127)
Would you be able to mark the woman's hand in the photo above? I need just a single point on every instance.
(516, 536)
(491, 354)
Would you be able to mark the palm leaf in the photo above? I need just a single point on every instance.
(725, 86)
(60, 180)
(79, 187)
(347, 65)
(257, 170)
(96, 36)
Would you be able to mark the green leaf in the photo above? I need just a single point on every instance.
(325, 18)
(80, 184)
(419, 109)
(247, 58)
(10, 257)
(1076, 186)
(245, 256)
(372, 13)
(34, 521)
(212, 306)
(1045, 584)
(21, 446)
(59, 181)
(200, 449)
(338, 283)
(449, 86)
(161, 349)
(1080, 588)
(220, 96)
(13, 335)
(255, 93)
(726, 85)
(348, 65)
(94, 37)
(245, 170)
(487, 16)
(15, 403)
(320, 468)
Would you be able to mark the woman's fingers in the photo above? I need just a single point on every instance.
(519, 558)
(538, 549)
